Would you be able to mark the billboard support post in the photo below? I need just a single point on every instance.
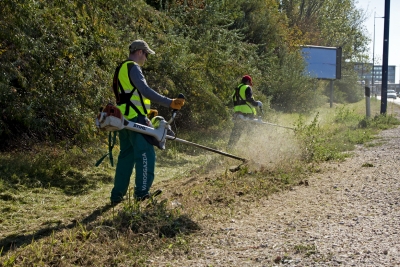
(331, 98)
(368, 101)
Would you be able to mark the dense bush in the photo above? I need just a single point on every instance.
(57, 59)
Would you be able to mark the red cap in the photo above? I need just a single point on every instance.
(246, 78)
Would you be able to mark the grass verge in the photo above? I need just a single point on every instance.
(55, 211)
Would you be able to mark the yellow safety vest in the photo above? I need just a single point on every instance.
(129, 100)
(239, 101)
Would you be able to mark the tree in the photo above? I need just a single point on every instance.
(332, 23)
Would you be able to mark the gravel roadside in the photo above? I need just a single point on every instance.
(346, 215)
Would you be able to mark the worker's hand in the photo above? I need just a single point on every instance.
(259, 104)
(177, 103)
(152, 113)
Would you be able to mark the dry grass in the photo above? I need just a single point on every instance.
(46, 226)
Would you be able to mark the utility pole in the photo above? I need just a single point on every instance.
(373, 59)
(385, 58)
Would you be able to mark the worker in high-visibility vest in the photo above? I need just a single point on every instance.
(133, 97)
(244, 105)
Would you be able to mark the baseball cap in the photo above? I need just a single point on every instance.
(140, 45)
(246, 78)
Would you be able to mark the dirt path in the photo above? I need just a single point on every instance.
(348, 215)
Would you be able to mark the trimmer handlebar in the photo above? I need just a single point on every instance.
(175, 110)
(173, 116)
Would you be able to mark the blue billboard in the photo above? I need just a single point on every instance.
(322, 62)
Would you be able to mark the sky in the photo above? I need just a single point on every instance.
(377, 7)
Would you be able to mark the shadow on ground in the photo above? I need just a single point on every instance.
(15, 241)
(148, 217)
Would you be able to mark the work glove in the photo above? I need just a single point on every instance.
(259, 104)
(153, 113)
(177, 103)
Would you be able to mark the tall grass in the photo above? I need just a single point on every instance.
(339, 132)
(54, 204)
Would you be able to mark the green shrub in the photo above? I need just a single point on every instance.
(58, 57)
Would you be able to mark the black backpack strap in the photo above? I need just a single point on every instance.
(120, 95)
(237, 99)
(116, 84)
(140, 95)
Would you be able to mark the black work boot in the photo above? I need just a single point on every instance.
(147, 196)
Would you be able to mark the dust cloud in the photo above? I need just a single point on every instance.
(268, 146)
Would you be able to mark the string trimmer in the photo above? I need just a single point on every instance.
(111, 119)
(260, 121)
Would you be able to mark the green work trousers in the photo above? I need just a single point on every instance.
(240, 126)
(136, 153)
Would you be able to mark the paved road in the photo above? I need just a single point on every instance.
(396, 101)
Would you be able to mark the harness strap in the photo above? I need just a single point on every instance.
(116, 84)
(111, 142)
(121, 96)
(237, 99)
(140, 95)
